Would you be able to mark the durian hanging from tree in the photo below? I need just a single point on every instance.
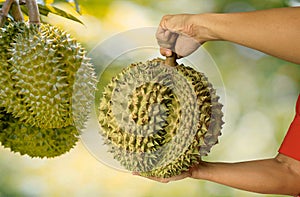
(47, 85)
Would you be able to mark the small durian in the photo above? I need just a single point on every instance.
(159, 120)
(45, 61)
(22, 138)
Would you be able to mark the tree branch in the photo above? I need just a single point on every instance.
(33, 12)
(4, 11)
(16, 11)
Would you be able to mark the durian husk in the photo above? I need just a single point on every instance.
(43, 67)
(160, 120)
(24, 139)
(7, 34)
(46, 87)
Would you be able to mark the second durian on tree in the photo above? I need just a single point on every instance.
(52, 80)
(24, 139)
(47, 85)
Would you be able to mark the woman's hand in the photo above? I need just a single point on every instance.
(279, 175)
(197, 171)
(273, 31)
(182, 34)
(167, 180)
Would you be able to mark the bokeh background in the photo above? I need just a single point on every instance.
(261, 92)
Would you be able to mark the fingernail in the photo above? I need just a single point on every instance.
(168, 53)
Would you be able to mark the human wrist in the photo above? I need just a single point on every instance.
(201, 171)
(207, 26)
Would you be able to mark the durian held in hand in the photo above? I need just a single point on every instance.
(159, 118)
(47, 85)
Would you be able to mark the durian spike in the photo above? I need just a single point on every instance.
(33, 12)
(171, 60)
(4, 11)
(16, 11)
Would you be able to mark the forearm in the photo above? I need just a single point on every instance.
(262, 176)
(275, 31)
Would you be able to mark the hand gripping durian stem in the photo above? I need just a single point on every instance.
(4, 11)
(171, 60)
(33, 12)
(16, 11)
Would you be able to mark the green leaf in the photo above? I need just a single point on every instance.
(73, 3)
(54, 10)
(46, 9)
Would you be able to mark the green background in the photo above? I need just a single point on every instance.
(261, 92)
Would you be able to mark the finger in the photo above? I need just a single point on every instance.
(164, 21)
(165, 52)
(161, 180)
(186, 45)
(166, 38)
(163, 35)
(173, 23)
(167, 180)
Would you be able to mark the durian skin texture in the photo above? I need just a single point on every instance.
(7, 35)
(163, 126)
(46, 87)
(35, 142)
(44, 64)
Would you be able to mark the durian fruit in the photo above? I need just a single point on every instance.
(46, 87)
(35, 142)
(44, 64)
(7, 34)
(159, 120)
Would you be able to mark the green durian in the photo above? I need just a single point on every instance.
(160, 120)
(7, 34)
(53, 81)
(35, 142)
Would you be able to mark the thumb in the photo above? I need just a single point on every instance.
(166, 52)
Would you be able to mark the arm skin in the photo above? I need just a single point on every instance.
(279, 175)
(274, 31)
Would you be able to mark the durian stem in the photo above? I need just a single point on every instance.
(171, 60)
(16, 11)
(33, 12)
(4, 11)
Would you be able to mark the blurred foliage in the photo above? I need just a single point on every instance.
(260, 98)
(100, 8)
(45, 8)
(236, 5)
(74, 3)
